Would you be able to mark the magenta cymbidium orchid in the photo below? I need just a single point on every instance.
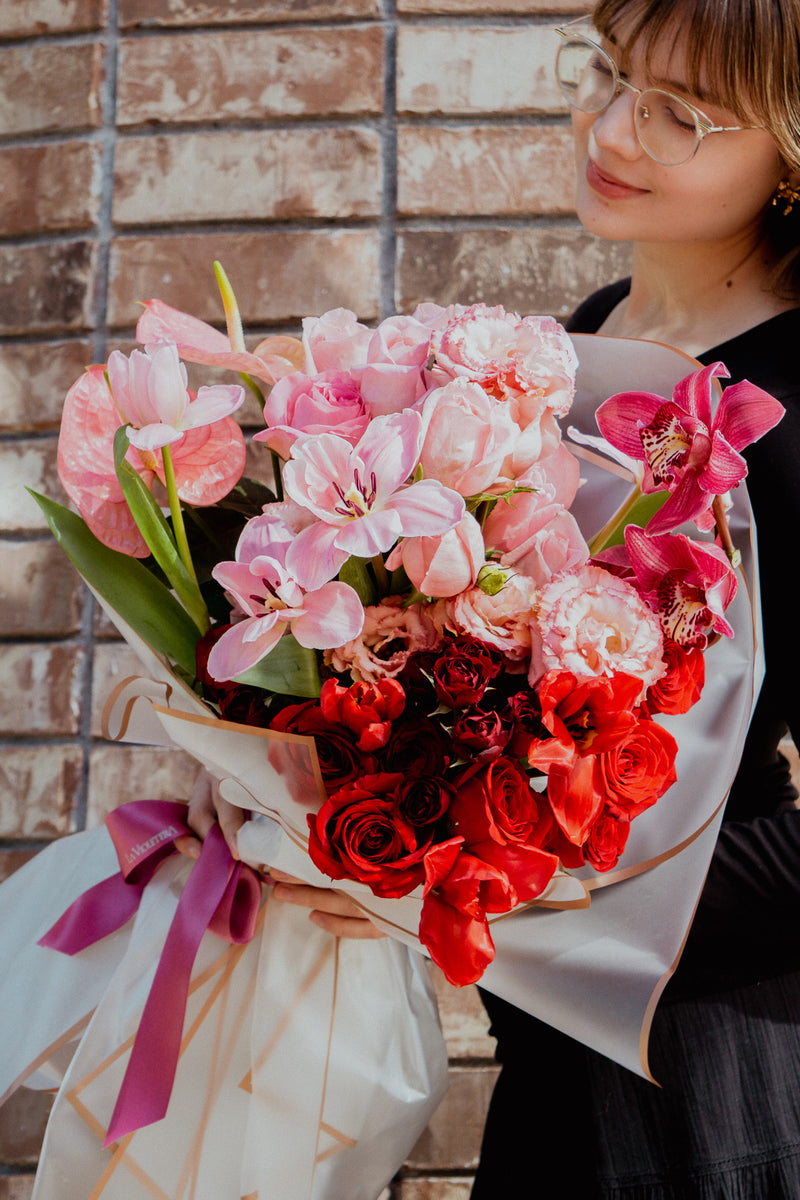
(361, 497)
(270, 600)
(687, 449)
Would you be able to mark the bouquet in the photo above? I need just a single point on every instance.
(403, 652)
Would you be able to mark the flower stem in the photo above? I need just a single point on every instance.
(381, 574)
(197, 610)
(620, 518)
(723, 530)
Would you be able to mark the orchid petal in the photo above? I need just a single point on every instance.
(621, 417)
(695, 391)
(724, 468)
(746, 413)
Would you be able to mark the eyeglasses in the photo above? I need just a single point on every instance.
(668, 129)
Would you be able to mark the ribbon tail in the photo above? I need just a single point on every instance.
(146, 1088)
(99, 911)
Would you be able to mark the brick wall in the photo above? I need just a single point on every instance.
(363, 153)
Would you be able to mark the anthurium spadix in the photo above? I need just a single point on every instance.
(269, 601)
(361, 498)
(688, 449)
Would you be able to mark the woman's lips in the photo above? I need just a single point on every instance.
(608, 186)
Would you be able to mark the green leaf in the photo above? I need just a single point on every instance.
(139, 598)
(290, 669)
(359, 578)
(155, 529)
(641, 512)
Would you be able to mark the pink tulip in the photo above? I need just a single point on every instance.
(361, 497)
(270, 600)
(393, 377)
(336, 341)
(199, 342)
(687, 451)
(151, 393)
(444, 564)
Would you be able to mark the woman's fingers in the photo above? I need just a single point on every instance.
(332, 911)
(206, 808)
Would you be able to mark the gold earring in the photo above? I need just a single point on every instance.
(785, 191)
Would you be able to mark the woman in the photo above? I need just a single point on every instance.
(687, 170)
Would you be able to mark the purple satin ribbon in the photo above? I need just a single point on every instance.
(221, 895)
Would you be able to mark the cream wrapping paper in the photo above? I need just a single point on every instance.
(306, 1118)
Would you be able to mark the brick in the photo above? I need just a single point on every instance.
(455, 70)
(453, 1137)
(39, 788)
(34, 379)
(278, 277)
(17, 1187)
(41, 593)
(481, 170)
(231, 12)
(40, 687)
(27, 464)
(46, 287)
(250, 76)
(440, 1188)
(464, 1020)
(50, 87)
(534, 270)
(22, 1121)
(11, 861)
(45, 189)
(278, 174)
(22, 18)
(121, 773)
(490, 8)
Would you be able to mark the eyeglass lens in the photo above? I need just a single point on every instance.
(665, 126)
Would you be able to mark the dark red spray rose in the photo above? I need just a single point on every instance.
(236, 701)
(639, 769)
(606, 840)
(340, 760)
(424, 800)
(680, 688)
(526, 716)
(416, 679)
(359, 834)
(417, 746)
(367, 709)
(498, 804)
(479, 735)
(462, 674)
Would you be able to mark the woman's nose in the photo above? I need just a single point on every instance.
(614, 129)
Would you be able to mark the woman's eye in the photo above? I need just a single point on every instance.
(680, 118)
(600, 66)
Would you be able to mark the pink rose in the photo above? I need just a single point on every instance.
(468, 434)
(393, 376)
(328, 402)
(444, 564)
(336, 341)
(592, 623)
(391, 634)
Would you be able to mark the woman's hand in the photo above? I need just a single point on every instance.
(331, 911)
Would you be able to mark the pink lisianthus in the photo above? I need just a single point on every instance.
(502, 621)
(592, 623)
(393, 378)
(336, 341)
(151, 392)
(467, 436)
(688, 450)
(328, 402)
(207, 461)
(391, 634)
(361, 498)
(199, 342)
(688, 584)
(269, 600)
(445, 563)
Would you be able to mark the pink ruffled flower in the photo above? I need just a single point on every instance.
(468, 435)
(270, 600)
(328, 402)
(592, 623)
(391, 634)
(151, 392)
(207, 461)
(502, 620)
(443, 564)
(336, 341)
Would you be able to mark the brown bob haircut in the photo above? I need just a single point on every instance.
(745, 54)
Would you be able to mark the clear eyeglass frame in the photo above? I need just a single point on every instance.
(574, 33)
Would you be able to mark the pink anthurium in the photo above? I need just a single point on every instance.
(199, 342)
(270, 600)
(689, 584)
(360, 496)
(688, 450)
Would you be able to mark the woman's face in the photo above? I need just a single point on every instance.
(624, 194)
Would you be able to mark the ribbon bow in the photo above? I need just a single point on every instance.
(221, 895)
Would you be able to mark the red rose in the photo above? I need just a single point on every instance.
(498, 804)
(360, 834)
(424, 800)
(367, 709)
(639, 769)
(680, 687)
(416, 747)
(526, 714)
(462, 674)
(478, 735)
(606, 840)
(339, 758)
